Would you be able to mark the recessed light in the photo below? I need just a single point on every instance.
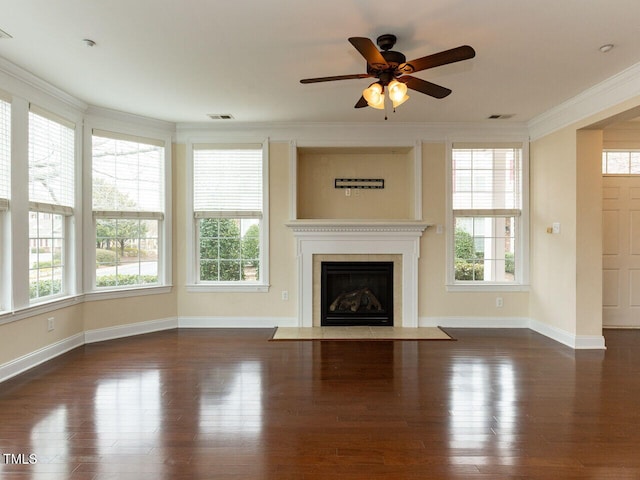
(88, 42)
(501, 116)
(606, 47)
(4, 34)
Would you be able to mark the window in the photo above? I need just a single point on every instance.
(616, 162)
(51, 201)
(486, 199)
(228, 206)
(5, 181)
(128, 195)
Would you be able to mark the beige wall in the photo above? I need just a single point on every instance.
(25, 336)
(282, 258)
(624, 135)
(99, 314)
(553, 256)
(589, 232)
(317, 168)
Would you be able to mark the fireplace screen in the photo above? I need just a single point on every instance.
(356, 293)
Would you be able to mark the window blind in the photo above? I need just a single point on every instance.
(127, 173)
(487, 181)
(5, 153)
(227, 182)
(51, 161)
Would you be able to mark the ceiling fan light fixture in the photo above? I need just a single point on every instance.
(374, 95)
(388, 66)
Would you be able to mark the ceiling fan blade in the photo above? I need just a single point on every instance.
(337, 77)
(457, 54)
(369, 51)
(425, 87)
(361, 103)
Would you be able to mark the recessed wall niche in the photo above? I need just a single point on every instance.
(318, 167)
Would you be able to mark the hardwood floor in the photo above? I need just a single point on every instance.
(229, 404)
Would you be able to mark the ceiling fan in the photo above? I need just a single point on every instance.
(392, 71)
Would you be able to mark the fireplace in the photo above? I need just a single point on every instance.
(371, 239)
(356, 293)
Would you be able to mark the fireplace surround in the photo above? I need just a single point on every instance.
(370, 238)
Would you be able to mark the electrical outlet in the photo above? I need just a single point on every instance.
(285, 295)
(499, 302)
(50, 324)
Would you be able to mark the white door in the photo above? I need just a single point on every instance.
(621, 251)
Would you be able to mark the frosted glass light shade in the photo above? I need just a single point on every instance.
(374, 96)
(397, 91)
(400, 102)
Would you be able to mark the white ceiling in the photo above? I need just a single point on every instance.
(181, 60)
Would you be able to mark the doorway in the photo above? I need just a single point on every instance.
(621, 246)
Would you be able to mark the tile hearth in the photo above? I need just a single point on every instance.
(360, 333)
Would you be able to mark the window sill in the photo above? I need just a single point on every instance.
(228, 287)
(40, 308)
(113, 293)
(487, 287)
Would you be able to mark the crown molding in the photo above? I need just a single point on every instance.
(349, 133)
(613, 91)
(100, 114)
(25, 84)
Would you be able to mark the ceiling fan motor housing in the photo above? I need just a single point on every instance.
(393, 59)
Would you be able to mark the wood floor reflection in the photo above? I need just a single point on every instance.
(229, 404)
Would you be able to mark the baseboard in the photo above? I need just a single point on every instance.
(236, 322)
(577, 342)
(131, 329)
(474, 322)
(33, 359)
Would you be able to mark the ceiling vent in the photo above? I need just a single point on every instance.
(220, 116)
(500, 116)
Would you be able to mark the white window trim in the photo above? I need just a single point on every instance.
(5, 265)
(128, 130)
(522, 252)
(193, 286)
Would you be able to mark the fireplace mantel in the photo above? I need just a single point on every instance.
(356, 226)
(353, 237)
